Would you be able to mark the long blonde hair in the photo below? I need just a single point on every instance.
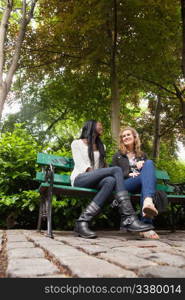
(137, 142)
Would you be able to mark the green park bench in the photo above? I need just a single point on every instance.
(54, 181)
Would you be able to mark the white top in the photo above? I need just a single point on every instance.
(81, 159)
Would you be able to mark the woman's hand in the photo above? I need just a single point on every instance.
(140, 164)
(133, 174)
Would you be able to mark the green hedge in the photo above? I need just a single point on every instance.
(175, 169)
(19, 201)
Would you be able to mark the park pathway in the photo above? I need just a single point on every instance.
(27, 253)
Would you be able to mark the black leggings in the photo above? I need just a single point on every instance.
(105, 180)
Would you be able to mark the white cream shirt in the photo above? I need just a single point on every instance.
(81, 159)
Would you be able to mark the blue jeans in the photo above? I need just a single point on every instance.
(145, 183)
(105, 180)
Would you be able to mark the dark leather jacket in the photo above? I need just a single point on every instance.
(121, 160)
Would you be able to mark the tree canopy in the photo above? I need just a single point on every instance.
(102, 59)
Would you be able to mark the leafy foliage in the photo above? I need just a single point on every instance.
(19, 210)
(17, 161)
(175, 169)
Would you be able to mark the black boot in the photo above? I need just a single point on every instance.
(129, 219)
(81, 226)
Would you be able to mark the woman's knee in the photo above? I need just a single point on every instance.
(149, 162)
(110, 181)
(117, 169)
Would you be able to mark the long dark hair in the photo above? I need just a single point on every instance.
(89, 132)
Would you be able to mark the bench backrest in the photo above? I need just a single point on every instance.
(63, 163)
(67, 164)
(162, 181)
(163, 175)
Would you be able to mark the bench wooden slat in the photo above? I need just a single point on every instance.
(65, 180)
(64, 163)
(71, 189)
(58, 178)
(163, 175)
(164, 187)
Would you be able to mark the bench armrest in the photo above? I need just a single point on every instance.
(49, 175)
(179, 188)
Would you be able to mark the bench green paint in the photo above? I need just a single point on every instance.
(54, 180)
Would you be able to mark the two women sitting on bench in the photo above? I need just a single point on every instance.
(90, 171)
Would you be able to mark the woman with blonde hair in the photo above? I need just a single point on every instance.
(138, 173)
(90, 171)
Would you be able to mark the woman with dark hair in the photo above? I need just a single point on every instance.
(138, 174)
(90, 172)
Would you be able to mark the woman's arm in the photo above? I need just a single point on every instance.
(121, 162)
(81, 162)
(115, 160)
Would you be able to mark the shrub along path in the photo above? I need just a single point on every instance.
(113, 254)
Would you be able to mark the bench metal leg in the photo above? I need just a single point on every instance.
(172, 217)
(42, 211)
(40, 217)
(49, 213)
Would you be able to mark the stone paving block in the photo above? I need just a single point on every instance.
(109, 242)
(30, 267)
(109, 255)
(1, 239)
(54, 276)
(14, 231)
(171, 250)
(63, 251)
(120, 235)
(126, 260)
(133, 250)
(92, 246)
(88, 246)
(180, 251)
(25, 253)
(75, 241)
(161, 272)
(176, 236)
(144, 243)
(42, 242)
(88, 266)
(175, 244)
(14, 245)
(16, 238)
(57, 249)
(93, 249)
(166, 258)
(39, 238)
(101, 234)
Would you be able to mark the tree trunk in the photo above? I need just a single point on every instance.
(115, 99)
(179, 95)
(156, 142)
(183, 35)
(5, 85)
(3, 94)
(115, 112)
(182, 102)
